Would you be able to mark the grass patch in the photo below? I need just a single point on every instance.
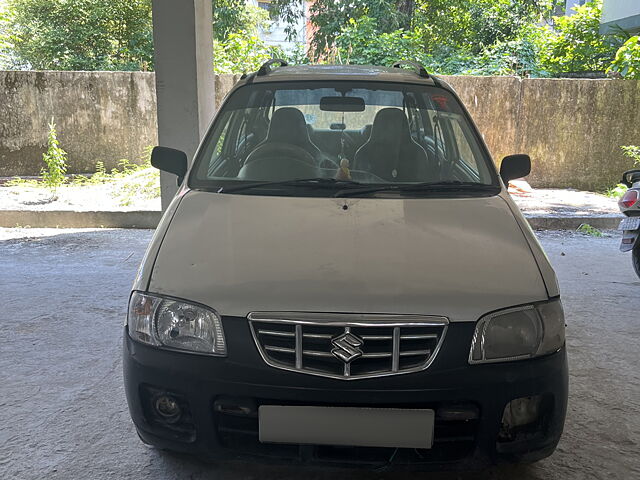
(616, 192)
(589, 230)
(24, 182)
(128, 182)
(144, 183)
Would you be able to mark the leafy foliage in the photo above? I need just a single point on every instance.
(240, 48)
(55, 159)
(632, 151)
(81, 34)
(617, 192)
(575, 44)
(361, 42)
(229, 16)
(330, 18)
(242, 53)
(5, 46)
(627, 61)
(590, 230)
(479, 37)
(475, 25)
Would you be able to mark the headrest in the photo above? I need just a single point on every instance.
(390, 125)
(288, 126)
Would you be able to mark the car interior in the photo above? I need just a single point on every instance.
(281, 134)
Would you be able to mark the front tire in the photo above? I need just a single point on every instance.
(636, 259)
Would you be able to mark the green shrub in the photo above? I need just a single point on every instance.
(242, 53)
(627, 61)
(575, 44)
(632, 151)
(55, 159)
(361, 43)
(617, 192)
(514, 57)
(589, 230)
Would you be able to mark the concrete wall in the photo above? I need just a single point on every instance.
(571, 128)
(103, 116)
(99, 116)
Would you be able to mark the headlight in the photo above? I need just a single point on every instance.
(518, 333)
(175, 324)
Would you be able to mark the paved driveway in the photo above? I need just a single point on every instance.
(62, 409)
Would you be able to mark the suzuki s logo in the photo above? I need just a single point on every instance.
(347, 347)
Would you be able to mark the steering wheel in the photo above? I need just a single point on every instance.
(278, 161)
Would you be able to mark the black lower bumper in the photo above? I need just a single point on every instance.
(219, 399)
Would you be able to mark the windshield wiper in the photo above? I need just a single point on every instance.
(446, 186)
(314, 182)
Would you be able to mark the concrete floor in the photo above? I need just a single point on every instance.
(62, 409)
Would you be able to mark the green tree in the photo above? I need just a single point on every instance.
(330, 17)
(361, 42)
(468, 26)
(237, 17)
(5, 45)
(576, 44)
(80, 34)
(237, 47)
(241, 53)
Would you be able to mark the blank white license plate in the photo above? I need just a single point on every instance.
(345, 426)
(632, 223)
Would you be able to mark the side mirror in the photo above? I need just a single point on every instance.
(515, 166)
(170, 160)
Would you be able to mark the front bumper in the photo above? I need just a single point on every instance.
(219, 398)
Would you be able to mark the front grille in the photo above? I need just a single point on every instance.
(348, 346)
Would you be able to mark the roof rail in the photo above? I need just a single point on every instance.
(265, 69)
(420, 70)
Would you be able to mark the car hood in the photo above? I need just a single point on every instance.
(455, 257)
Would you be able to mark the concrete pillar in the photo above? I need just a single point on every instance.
(185, 82)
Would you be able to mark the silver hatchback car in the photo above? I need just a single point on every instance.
(343, 278)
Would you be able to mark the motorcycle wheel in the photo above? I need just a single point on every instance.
(636, 259)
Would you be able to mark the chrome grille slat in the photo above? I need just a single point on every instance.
(377, 355)
(377, 337)
(413, 353)
(275, 333)
(317, 335)
(280, 349)
(314, 353)
(419, 337)
(347, 346)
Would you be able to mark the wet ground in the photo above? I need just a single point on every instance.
(63, 413)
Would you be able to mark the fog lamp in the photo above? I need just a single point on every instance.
(522, 411)
(167, 408)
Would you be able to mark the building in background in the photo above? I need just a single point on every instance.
(276, 34)
(623, 14)
(570, 4)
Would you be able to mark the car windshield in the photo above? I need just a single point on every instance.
(342, 138)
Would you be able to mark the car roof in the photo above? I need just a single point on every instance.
(339, 72)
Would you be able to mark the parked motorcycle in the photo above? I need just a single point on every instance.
(630, 206)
